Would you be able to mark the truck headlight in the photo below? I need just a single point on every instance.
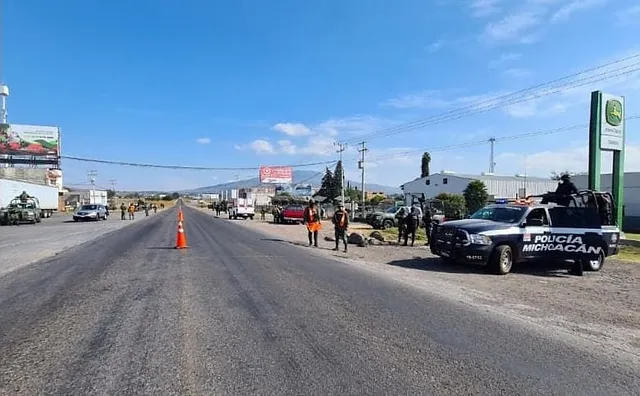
(477, 239)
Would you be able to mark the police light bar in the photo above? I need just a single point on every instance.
(502, 201)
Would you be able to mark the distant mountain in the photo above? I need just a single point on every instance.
(299, 177)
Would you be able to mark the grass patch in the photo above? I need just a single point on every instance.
(628, 253)
(391, 234)
(634, 237)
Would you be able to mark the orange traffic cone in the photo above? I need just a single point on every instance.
(181, 239)
(180, 216)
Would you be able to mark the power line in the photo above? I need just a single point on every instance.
(183, 167)
(512, 98)
(476, 143)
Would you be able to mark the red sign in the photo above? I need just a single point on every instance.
(276, 174)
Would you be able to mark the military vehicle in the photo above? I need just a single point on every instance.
(21, 209)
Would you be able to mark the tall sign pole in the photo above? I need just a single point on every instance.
(606, 133)
(362, 151)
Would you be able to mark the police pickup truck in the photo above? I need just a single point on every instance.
(578, 228)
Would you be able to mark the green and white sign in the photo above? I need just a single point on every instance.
(611, 122)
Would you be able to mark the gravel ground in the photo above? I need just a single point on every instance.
(239, 313)
(600, 307)
(25, 244)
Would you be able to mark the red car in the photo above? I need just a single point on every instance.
(293, 214)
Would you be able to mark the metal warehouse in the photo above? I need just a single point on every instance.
(497, 186)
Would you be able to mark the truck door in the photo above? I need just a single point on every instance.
(536, 228)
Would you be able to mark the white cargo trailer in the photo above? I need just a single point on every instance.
(47, 195)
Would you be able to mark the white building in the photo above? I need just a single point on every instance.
(497, 186)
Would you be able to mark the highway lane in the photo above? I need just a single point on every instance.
(28, 243)
(239, 314)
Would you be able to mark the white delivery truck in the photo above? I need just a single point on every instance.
(242, 206)
(47, 195)
(98, 197)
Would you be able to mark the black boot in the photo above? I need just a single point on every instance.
(577, 268)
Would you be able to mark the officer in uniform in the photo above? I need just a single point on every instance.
(400, 216)
(24, 196)
(341, 224)
(312, 220)
(427, 223)
(412, 222)
(566, 186)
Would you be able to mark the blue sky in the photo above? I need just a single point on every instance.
(245, 83)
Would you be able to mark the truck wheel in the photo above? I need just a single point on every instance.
(594, 265)
(387, 224)
(501, 260)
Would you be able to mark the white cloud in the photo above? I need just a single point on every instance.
(629, 16)
(573, 159)
(432, 99)
(258, 146)
(483, 8)
(511, 27)
(203, 140)
(516, 72)
(436, 46)
(565, 12)
(292, 129)
(524, 22)
(287, 147)
(504, 58)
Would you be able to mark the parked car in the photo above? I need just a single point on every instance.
(293, 214)
(95, 212)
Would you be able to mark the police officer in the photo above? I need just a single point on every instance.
(341, 224)
(123, 210)
(566, 186)
(400, 216)
(312, 220)
(412, 222)
(24, 196)
(427, 223)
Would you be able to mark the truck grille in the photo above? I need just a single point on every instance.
(452, 235)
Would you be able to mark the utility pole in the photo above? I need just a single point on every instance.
(363, 149)
(341, 148)
(92, 179)
(492, 163)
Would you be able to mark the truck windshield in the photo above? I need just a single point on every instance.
(501, 214)
(89, 207)
(392, 210)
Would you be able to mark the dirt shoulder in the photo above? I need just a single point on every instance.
(600, 307)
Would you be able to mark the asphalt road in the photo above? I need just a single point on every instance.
(28, 243)
(239, 314)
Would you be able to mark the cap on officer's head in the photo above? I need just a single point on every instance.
(565, 176)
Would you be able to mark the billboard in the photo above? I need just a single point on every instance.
(29, 140)
(276, 174)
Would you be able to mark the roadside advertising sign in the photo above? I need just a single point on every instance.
(29, 140)
(276, 174)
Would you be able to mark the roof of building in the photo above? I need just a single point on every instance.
(486, 177)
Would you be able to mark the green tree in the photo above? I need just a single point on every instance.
(111, 194)
(353, 194)
(326, 186)
(454, 205)
(475, 195)
(338, 175)
(426, 161)
(376, 199)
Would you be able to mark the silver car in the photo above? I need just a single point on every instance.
(93, 212)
